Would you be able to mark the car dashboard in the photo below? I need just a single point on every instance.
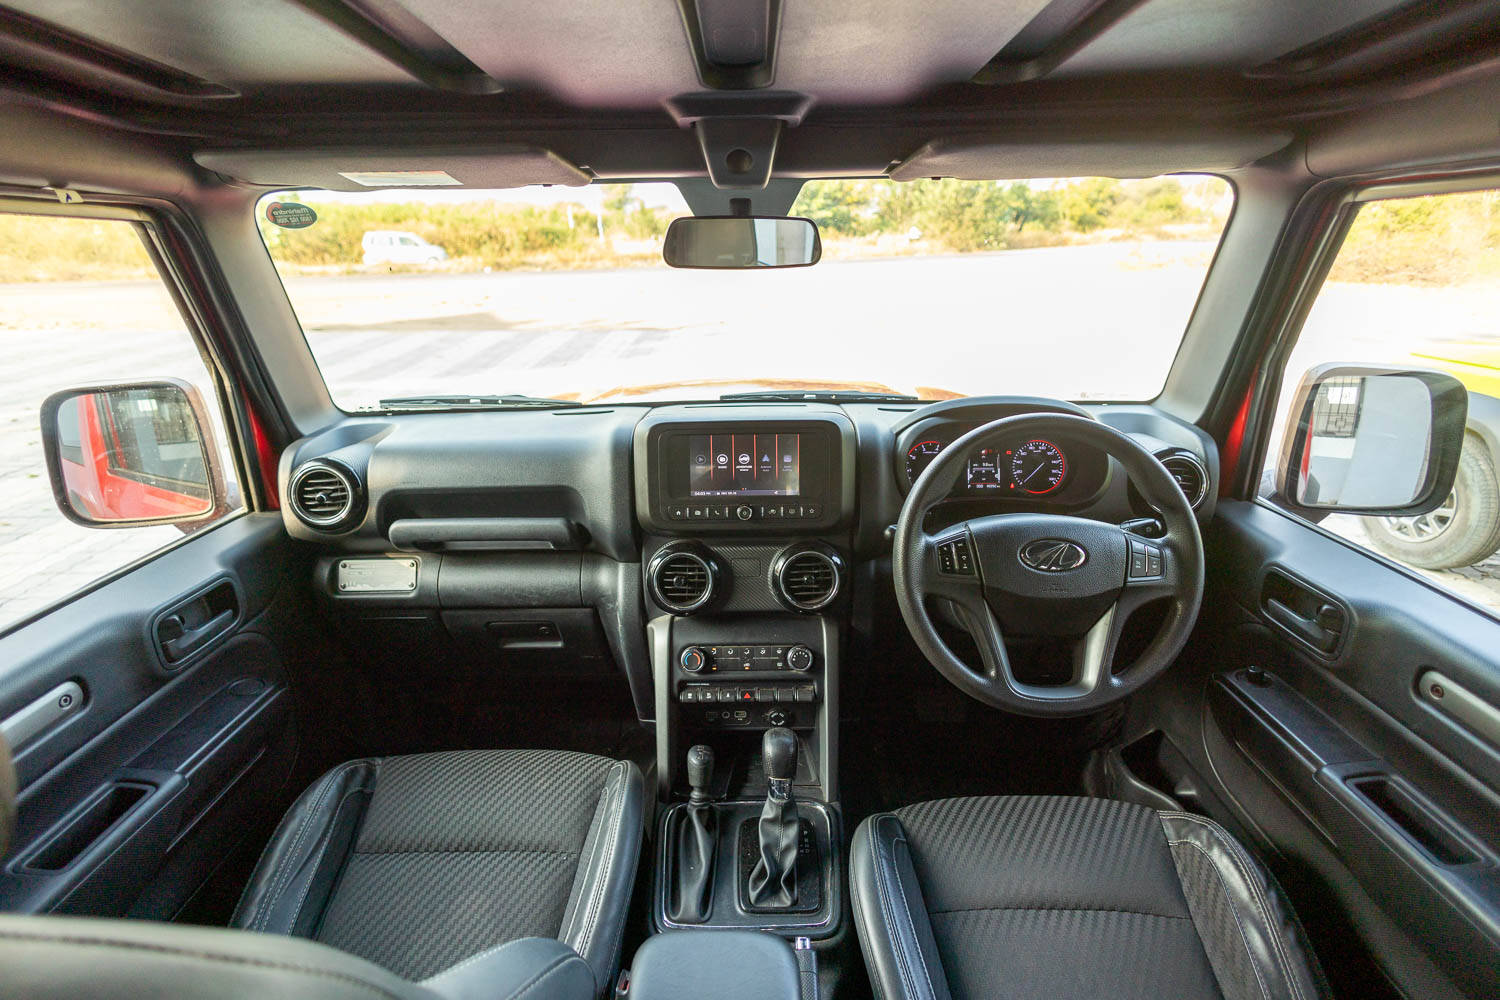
(723, 556)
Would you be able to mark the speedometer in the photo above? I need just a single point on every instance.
(919, 456)
(1038, 467)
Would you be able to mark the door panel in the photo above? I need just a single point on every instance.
(1330, 753)
(129, 801)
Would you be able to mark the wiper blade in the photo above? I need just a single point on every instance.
(821, 396)
(458, 401)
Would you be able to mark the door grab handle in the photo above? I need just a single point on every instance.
(42, 714)
(1460, 704)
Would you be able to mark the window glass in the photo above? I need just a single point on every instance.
(82, 304)
(1072, 288)
(1417, 284)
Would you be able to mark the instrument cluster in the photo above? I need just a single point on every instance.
(1049, 469)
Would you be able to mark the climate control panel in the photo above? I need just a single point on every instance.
(752, 656)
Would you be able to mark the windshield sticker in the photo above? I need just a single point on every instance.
(290, 215)
(401, 178)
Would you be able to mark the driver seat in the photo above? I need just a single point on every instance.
(1057, 898)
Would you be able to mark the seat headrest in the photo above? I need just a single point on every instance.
(7, 797)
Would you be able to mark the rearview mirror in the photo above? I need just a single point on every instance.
(1372, 441)
(741, 242)
(122, 456)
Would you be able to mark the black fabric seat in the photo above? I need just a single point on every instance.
(417, 863)
(1056, 898)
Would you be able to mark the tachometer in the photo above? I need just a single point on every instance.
(1038, 467)
(919, 456)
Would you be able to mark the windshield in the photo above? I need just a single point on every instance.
(1076, 289)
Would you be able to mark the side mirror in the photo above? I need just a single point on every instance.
(1372, 441)
(735, 242)
(123, 456)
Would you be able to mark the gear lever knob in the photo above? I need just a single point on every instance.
(700, 771)
(779, 753)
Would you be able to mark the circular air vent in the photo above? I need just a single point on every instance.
(807, 578)
(322, 495)
(683, 580)
(1191, 476)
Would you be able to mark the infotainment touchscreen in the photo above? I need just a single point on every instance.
(744, 465)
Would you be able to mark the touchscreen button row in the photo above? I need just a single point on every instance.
(745, 512)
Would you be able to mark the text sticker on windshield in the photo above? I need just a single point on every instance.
(401, 178)
(290, 215)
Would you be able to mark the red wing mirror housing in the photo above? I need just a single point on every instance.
(131, 454)
(1371, 441)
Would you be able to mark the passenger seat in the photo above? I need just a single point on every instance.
(436, 844)
(421, 862)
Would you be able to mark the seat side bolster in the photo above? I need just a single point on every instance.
(532, 967)
(594, 921)
(300, 865)
(1264, 929)
(891, 914)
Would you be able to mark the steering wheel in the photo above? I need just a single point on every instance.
(1048, 575)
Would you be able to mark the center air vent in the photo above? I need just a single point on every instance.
(684, 580)
(1191, 477)
(807, 578)
(323, 496)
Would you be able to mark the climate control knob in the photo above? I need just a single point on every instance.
(799, 658)
(693, 659)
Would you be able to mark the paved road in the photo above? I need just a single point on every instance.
(1072, 322)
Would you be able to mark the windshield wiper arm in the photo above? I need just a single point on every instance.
(821, 396)
(470, 401)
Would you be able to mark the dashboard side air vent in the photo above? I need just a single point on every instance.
(323, 495)
(684, 580)
(807, 577)
(1191, 476)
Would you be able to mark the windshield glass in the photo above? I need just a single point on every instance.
(1076, 289)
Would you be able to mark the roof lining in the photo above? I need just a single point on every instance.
(1382, 31)
(75, 50)
(1060, 31)
(405, 42)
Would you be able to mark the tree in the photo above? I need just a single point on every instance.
(1086, 204)
(842, 207)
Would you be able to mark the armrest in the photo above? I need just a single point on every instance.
(725, 965)
(535, 967)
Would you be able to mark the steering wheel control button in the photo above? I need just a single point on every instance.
(799, 658)
(955, 558)
(1145, 560)
(693, 659)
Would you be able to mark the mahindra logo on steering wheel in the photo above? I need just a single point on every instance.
(1053, 555)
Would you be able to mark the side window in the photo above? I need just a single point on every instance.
(82, 304)
(1417, 284)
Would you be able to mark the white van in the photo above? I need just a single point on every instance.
(386, 246)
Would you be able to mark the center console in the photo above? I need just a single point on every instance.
(746, 511)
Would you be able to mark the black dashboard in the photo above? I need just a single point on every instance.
(571, 538)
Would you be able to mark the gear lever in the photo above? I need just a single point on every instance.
(696, 840)
(773, 882)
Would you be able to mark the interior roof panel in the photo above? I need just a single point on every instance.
(245, 44)
(621, 54)
(871, 51)
(1224, 35)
